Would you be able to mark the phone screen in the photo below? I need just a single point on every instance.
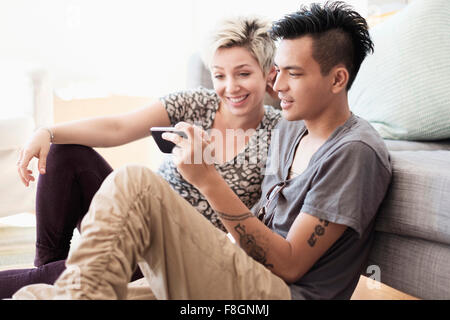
(164, 145)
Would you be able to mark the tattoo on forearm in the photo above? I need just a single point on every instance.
(319, 230)
(231, 217)
(248, 243)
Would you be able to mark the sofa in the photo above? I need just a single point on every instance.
(25, 106)
(402, 91)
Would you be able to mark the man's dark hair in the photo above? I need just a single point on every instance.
(340, 35)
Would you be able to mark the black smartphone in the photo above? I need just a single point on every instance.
(164, 145)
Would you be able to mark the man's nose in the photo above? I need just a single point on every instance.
(280, 84)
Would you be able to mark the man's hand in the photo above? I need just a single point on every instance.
(194, 155)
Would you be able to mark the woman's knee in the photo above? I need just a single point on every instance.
(76, 158)
(63, 154)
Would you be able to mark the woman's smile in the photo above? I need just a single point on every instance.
(238, 100)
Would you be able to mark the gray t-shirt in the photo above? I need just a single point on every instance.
(344, 183)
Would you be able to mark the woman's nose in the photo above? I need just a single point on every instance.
(232, 86)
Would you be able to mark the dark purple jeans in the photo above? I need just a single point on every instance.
(64, 193)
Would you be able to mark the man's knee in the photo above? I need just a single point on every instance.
(136, 173)
(135, 179)
(123, 192)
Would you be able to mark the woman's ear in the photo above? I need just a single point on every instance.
(271, 77)
(340, 79)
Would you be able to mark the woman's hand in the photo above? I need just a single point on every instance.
(194, 155)
(37, 146)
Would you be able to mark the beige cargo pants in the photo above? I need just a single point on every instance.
(137, 219)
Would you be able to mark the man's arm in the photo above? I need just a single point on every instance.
(307, 240)
(289, 258)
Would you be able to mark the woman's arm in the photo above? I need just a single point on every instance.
(94, 132)
(114, 130)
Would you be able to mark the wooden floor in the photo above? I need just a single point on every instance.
(17, 247)
(367, 289)
(17, 251)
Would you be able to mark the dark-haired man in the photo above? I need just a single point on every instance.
(316, 214)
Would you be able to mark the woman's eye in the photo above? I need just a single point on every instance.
(244, 74)
(218, 76)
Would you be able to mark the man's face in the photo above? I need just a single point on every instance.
(303, 90)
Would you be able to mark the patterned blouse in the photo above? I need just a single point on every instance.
(244, 173)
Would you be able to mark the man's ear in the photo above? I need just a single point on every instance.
(340, 78)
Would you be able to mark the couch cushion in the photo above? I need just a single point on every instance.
(402, 89)
(403, 145)
(418, 201)
(418, 267)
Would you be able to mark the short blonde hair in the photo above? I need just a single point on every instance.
(251, 33)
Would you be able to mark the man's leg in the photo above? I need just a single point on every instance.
(136, 217)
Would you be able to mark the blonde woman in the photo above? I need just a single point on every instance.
(240, 58)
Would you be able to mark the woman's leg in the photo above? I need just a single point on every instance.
(13, 280)
(64, 193)
(136, 217)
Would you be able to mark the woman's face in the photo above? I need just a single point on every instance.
(238, 80)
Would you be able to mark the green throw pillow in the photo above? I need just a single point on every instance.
(403, 89)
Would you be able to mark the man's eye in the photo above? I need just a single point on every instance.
(295, 74)
(218, 76)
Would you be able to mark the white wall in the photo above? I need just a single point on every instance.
(132, 47)
(207, 12)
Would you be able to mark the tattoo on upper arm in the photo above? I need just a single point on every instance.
(319, 230)
(248, 243)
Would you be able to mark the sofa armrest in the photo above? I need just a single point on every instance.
(14, 132)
